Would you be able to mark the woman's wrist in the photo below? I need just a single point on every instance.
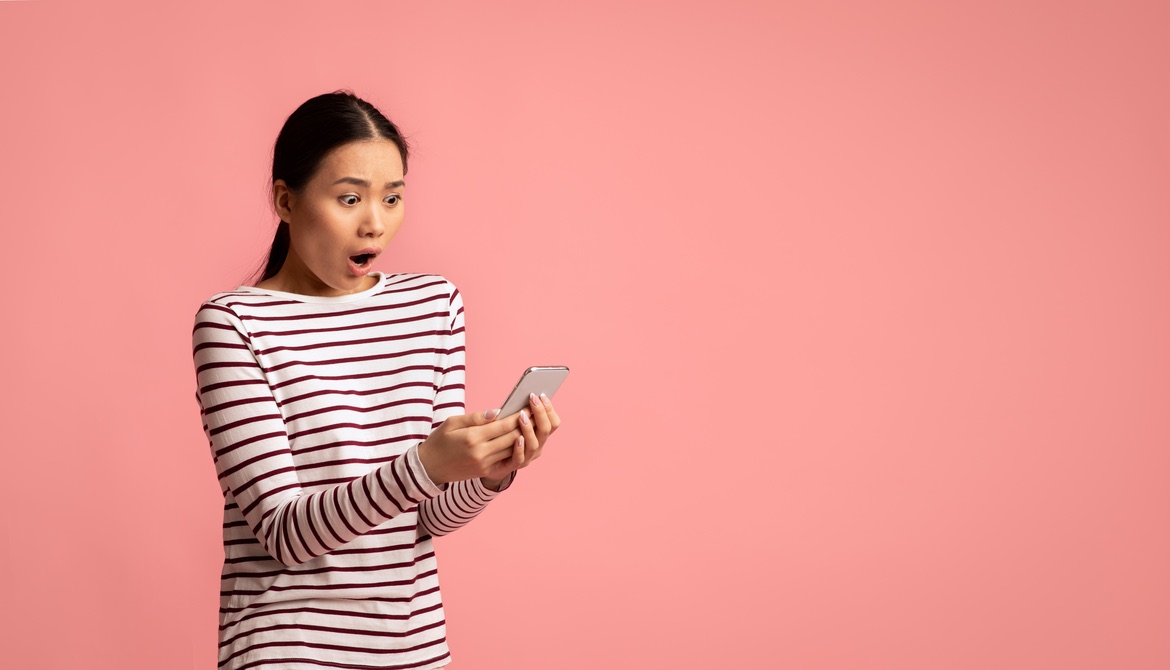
(492, 484)
(425, 459)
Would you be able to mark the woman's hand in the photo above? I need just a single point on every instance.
(534, 433)
(469, 445)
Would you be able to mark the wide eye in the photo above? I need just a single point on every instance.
(396, 199)
(349, 196)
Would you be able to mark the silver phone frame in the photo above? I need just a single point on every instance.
(523, 402)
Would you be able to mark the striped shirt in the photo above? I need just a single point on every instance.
(314, 407)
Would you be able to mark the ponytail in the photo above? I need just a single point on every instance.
(278, 252)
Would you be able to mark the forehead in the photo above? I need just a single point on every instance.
(376, 161)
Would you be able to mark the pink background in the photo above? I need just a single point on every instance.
(865, 305)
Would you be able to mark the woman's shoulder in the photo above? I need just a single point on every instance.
(432, 276)
(224, 299)
(428, 280)
(218, 310)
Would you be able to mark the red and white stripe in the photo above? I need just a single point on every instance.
(314, 408)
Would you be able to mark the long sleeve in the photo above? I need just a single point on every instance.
(250, 446)
(460, 501)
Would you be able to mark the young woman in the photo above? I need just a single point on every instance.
(333, 399)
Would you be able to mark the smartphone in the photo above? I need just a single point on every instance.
(537, 379)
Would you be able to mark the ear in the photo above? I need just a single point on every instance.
(282, 199)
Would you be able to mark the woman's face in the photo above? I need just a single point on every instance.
(353, 204)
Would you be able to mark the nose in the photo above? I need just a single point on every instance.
(373, 223)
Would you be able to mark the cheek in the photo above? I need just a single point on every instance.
(315, 240)
(396, 221)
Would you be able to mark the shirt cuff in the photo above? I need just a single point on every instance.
(486, 493)
(418, 474)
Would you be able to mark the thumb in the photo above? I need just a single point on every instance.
(474, 419)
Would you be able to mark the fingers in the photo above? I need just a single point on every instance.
(528, 431)
(513, 454)
(473, 419)
(539, 416)
(504, 442)
(510, 442)
(545, 418)
(484, 430)
(531, 440)
(554, 419)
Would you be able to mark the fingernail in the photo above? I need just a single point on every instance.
(524, 417)
(532, 399)
(490, 414)
(544, 399)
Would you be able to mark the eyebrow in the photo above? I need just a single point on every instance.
(363, 182)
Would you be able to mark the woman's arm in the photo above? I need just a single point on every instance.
(461, 501)
(249, 444)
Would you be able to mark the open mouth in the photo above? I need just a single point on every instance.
(360, 264)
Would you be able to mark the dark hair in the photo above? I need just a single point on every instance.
(318, 126)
